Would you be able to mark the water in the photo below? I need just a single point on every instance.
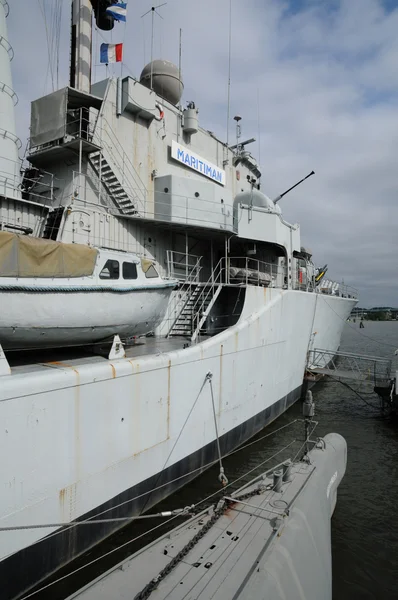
(365, 522)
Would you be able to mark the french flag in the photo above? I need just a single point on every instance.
(111, 53)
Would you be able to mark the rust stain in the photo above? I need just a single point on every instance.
(67, 500)
(77, 428)
(113, 370)
(229, 512)
(149, 448)
(168, 398)
(220, 388)
(64, 365)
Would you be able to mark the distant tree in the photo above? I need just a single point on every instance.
(377, 316)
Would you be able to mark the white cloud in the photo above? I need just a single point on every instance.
(325, 72)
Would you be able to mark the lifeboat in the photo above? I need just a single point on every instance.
(57, 294)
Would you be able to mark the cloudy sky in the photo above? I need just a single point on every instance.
(317, 78)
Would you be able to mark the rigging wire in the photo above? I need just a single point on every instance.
(203, 467)
(360, 332)
(52, 17)
(204, 500)
(355, 392)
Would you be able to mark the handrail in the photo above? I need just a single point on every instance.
(190, 281)
(113, 145)
(213, 282)
(173, 264)
(221, 276)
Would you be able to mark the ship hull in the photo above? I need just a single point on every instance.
(50, 553)
(99, 434)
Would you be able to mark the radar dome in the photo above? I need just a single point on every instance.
(166, 81)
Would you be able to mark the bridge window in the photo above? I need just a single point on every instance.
(129, 270)
(110, 270)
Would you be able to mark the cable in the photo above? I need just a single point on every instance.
(359, 332)
(355, 392)
(178, 437)
(222, 478)
(202, 468)
(95, 560)
(307, 439)
(179, 511)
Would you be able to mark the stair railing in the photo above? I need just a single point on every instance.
(178, 303)
(120, 163)
(209, 289)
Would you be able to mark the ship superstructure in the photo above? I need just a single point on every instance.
(121, 167)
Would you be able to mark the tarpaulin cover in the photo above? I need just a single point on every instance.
(23, 256)
(146, 263)
(48, 118)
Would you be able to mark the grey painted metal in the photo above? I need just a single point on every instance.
(287, 470)
(277, 476)
(164, 78)
(274, 546)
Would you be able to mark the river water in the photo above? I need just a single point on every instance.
(365, 522)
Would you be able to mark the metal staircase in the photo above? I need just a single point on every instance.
(116, 192)
(195, 311)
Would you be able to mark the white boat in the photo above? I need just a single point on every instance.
(56, 294)
(85, 435)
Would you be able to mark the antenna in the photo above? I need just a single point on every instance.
(229, 70)
(153, 10)
(237, 118)
(259, 127)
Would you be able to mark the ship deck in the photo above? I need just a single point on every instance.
(216, 554)
(33, 360)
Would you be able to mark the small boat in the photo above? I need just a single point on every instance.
(57, 294)
(269, 540)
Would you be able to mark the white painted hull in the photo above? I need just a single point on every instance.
(61, 319)
(78, 436)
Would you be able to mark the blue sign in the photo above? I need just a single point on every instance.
(197, 163)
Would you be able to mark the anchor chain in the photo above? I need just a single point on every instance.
(220, 509)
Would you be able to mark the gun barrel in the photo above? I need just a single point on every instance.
(293, 186)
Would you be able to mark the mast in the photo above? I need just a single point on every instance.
(10, 163)
(81, 44)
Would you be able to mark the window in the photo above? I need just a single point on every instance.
(129, 270)
(151, 272)
(110, 270)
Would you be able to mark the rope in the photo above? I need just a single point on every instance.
(359, 332)
(208, 465)
(355, 392)
(178, 438)
(168, 513)
(95, 560)
(221, 478)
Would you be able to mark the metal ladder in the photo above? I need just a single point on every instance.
(202, 307)
(126, 204)
(199, 297)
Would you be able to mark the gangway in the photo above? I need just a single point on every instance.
(348, 366)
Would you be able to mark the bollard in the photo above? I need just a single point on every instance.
(287, 471)
(278, 481)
